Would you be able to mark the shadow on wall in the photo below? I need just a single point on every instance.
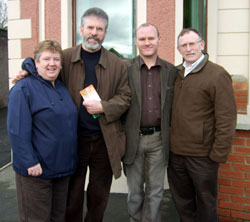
(4, 79)
(5, 153)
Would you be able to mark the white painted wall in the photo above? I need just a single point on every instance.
(228, 40)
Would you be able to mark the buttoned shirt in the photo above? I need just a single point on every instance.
(150, 94)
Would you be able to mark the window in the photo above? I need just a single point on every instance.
(119, 38)
(195, 15)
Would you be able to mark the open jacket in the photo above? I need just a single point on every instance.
(168, 75)
(204, 112)
(113, 89)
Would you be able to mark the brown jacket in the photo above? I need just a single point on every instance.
(204, 112)
(114, 91)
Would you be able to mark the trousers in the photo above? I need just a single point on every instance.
(41, 200)
(145, 180)
(193, 185)
(92, 153)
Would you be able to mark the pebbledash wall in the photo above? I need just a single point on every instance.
(228, 39)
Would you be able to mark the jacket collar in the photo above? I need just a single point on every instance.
(76, 55)
(30, 67)
(201, 65)
(141, 61)
(196, 69)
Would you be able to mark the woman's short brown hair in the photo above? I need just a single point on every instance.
(47, 45)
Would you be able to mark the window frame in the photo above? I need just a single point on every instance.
(74, 28)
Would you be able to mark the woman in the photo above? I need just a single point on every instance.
(42, 127)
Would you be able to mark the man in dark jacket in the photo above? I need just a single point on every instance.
(202, 129)
(101, 141)
(151, 80)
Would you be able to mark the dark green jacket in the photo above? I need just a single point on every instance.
(133, 118)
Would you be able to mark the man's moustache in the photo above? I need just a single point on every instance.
(93, 37)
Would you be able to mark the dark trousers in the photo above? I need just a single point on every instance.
(92, 153)
(41, 200)
(193, 185)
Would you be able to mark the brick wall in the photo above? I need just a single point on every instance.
(234, 181)
(240, 86)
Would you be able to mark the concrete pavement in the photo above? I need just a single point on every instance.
(116, 210)
(117, 207)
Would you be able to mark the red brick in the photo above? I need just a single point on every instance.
(232, 206)
(247, 208)
(226, 219)
(227, 166)
(242, 133)
(241, 183)
(244, 112)
(241, 93)
(231, 190)
(224, 181)
(231, 174)
(241, 107)
(248, 176)
(225, 197)
(248, 142)
(223, 212)
(248, 192)
(239, 141)
(242, 167)
(248, 159)
(241, 215)
(241, 99)
(236, 158)
(238, 199)
(241, 150)
(240, 86)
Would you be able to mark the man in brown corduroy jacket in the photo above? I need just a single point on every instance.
(202, 129)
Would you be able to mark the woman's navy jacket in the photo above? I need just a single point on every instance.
(42, 126)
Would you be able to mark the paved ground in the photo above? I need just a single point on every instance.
(5, 156)
(116, 210)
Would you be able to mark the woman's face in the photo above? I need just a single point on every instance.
(49, 65)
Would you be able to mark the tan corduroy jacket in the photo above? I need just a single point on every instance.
(114, 91)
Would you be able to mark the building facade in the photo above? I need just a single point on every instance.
(225, 26)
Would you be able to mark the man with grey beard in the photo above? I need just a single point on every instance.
(101, 138)
(101, 142)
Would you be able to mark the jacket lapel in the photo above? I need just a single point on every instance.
(164, 85)
(136, 80)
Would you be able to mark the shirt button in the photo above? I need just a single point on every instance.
(149, 73)
(150, 111)
(149, 98)
(149, 86)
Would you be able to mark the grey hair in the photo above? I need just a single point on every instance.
(95, 12)
(187, 30)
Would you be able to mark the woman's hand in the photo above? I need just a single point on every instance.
(35, 170)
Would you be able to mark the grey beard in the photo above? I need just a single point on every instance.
(91, 47)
